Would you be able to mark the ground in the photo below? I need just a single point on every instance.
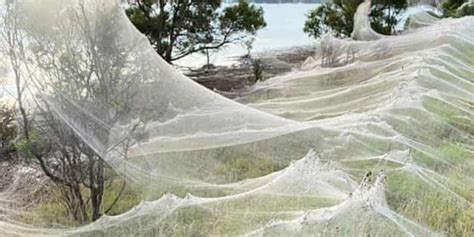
(240, 76)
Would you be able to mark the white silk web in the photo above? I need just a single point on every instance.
(399, 106)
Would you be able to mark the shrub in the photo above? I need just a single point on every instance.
(8, 131)
(450, 7)
(257, 70)
(467, 9)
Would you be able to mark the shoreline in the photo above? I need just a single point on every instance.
(240, 76)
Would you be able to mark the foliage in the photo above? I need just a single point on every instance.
(177, 29)
(231, 168)
(422, 203)
(338, 17)
(8, 131)
(27, 147)
(258, 69)
(384, 15)
(248, 45)
(466, 10)
(330, 16)
(51, 211)
(451, 7)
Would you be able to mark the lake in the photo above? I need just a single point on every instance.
(284, 29)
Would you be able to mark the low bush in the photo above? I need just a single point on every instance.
(8, 132)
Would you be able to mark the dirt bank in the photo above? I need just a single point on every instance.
(241, 75)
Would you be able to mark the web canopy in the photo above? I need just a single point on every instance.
(398, 107)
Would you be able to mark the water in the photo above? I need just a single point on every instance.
(284, 26)
(284, 29)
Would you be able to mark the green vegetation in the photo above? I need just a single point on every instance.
(441, 201)
(452, 8)
(430, 205)
(233, 169)
(434, 187)
(27, 147)
(177, 29)
(257, 211)
(258, 70)
(240, 168)
(406, 193)
(52, 210)
(8, 131)
(446, 111)
(78, 172)
(466, 10)
(338, 17)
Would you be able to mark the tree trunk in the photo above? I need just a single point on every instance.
(208, 65)
(169, 51)
(159, 47)
(97, 187)
(82, 216)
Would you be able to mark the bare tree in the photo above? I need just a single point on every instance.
(85, 83)
(329, 52)
(332, 52)
(13, 47)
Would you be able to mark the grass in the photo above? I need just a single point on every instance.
(234, 169)
(235, 217)
(52, 212)
(462, 119)
(430, 206)
(406, 194)
(240, 168)
(443, 204)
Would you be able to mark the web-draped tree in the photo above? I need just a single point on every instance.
(13, 46)
(179, 28)
(81, 72)
(338, 16)
(457, 8)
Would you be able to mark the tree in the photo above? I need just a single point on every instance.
(13, 46)
(457, 8)
(385, 13)
(467, 9)
(248, 45)
(339, 17)
(258, 69)
(80, 68)
(179, 28)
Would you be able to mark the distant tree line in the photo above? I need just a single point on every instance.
(278, 1)
(337, 16)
